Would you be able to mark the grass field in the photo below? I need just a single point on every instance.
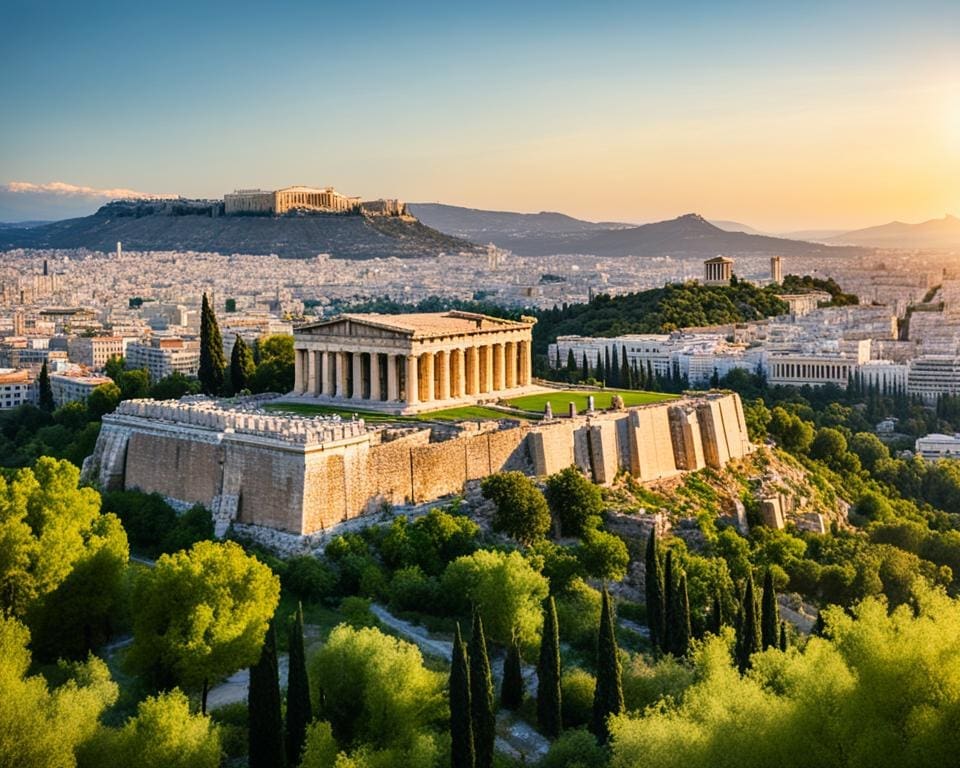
(463, 413)
(560, 397)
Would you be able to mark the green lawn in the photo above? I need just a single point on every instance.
(560, 397)
(462, 413)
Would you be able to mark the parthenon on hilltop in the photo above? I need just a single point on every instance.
(307, 199)
(411, 363)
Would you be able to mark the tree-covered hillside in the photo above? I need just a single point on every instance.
(660, 310)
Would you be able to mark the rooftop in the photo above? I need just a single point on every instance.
(427, 324)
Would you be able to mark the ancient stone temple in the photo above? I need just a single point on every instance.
(411, 363)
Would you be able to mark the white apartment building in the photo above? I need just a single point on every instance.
(16, 388)
(163, 356)
(935, 446)
(74, 385)
(933, 375)
(95, 351)
(817, 364)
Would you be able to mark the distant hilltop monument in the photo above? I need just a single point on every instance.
(259, 202)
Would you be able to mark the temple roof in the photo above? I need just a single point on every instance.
(426, 324)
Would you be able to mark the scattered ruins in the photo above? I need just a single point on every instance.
(303, 475)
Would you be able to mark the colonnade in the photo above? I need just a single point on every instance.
(718, 271)
(810, 371)
(446, 374)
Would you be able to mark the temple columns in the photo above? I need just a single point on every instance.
(341, 386)
(325, 388)
(426, 377)
(393, 383)
(498, 367)
(356, 388)
(374, 390)
(311, 372)
(412, 380)
(510, 365)
(442, 368)
(456, 373)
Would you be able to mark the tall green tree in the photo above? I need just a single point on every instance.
(483, 715)
(769, 614)
(574, 501)
(680, 616)
(44, 390)
(608, 694)
(241, 365)
(549, 706)
(201, 614)
(653, 588)
(299, 708)
(748, 627)
(669, 587)
(265, 731)
(783, 636)
(716, 615)
(521, 509)
(512, 686)
(212, 363)
(586, 367)
(462, 753)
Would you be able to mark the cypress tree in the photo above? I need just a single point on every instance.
(263, 703)
(769, 613)
(586, 367)
(461, 727)
(482, 715)
(783, 636)
(608, 693)
(241, 365)
(626, 376)
(299, 710)
(571, 361)
(45, 391)
(749, 639)
(511, 689)
(666, 640)
(614, 368)
(601, 370)
(680, 616)
(549, 717)
(637, 376)
(716, 615)
(654, 589)
(212, 363)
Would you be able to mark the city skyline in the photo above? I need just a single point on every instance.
(817, 117)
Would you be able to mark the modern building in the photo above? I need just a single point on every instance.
(937, 446)
(74, 385)
(717, 271)
(95, 351)
(16, 388)
(163, 356)
(933, 375)
(411, 363)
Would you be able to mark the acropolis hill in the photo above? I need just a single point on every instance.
(294, 222)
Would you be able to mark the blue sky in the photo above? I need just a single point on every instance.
(780, 115)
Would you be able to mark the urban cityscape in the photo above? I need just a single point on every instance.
(635, 443)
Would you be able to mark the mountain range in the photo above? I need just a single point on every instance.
(541, 234)
(936, 233)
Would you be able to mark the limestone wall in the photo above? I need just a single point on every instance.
(304, 477)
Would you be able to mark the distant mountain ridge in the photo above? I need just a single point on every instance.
(541, 234)
(935, 233)
(186, 225)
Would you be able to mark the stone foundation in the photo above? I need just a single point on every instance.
(306, 475)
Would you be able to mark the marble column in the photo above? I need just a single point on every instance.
(426, 377)
(375, 393)
(442, 362)
(393, 383)
(298, 372)
(498, 367)
(356, 391)
(311, 372)
(509, 365)
(472, 370)
(341, 388)
(456, 373)
(413, 380)
(325, 388)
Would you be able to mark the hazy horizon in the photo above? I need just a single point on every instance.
(828, 117)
